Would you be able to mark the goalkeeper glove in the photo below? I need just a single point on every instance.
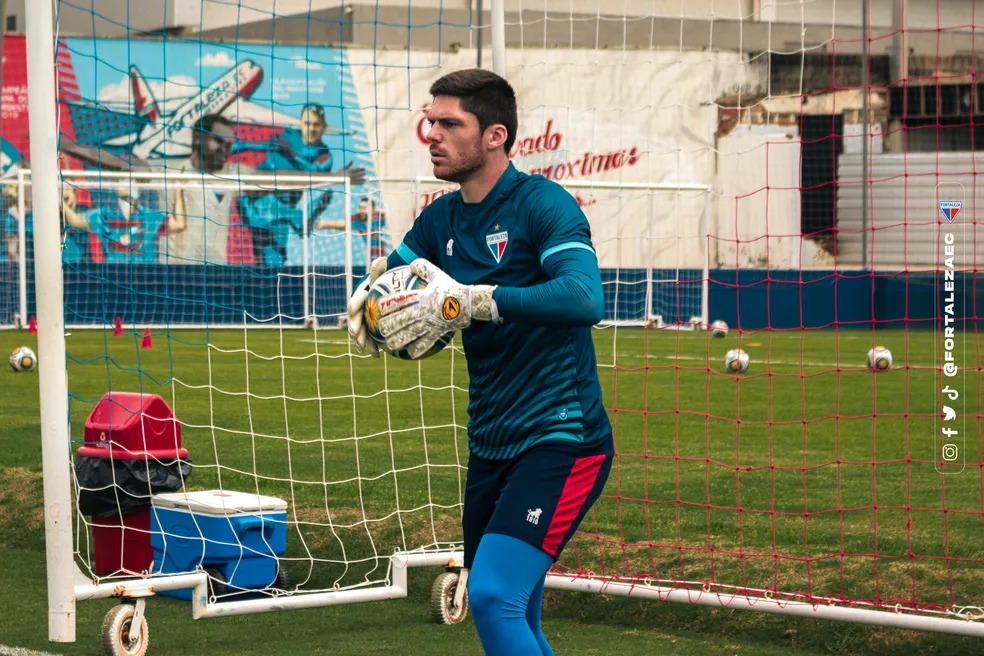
(415, 320)
(356, 322)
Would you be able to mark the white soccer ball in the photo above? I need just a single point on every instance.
(736, 361)
(23, 359)
(879, 359)
(719, 329)
(398, 279)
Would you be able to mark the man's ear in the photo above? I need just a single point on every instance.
(497, 135)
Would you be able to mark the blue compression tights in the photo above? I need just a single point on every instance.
(505, 591)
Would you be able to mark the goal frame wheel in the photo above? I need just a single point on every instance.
(281, 584)
(217, 586)
(442, 599)
(117, 637)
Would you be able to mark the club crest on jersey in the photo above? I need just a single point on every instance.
(497, 244)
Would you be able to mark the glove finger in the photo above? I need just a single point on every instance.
(358, 299)
(356, 323)
(376, 269)
(422, 268)
(399, 339)
(355, 319)
(361, 339)
(420, 346)
(394, 323)
(373, 348)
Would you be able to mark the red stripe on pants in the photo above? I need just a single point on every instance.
(579, 482)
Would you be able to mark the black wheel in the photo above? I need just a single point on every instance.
(119, 637)
(282, 583)
(442, 600)
(217, 587)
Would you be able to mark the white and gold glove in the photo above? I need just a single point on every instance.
(356, 324)
(415, 319)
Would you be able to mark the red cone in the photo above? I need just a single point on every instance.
(118, 327)
(146, 343)
(32, 325)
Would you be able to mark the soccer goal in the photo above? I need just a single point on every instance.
(655, 234)
(802, 172)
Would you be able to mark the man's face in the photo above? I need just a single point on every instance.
(127, 204)
(68, 197)
(312, 128)
(9, 195)
(455, 140)
(216, 145)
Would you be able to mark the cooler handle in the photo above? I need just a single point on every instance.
(247, 524)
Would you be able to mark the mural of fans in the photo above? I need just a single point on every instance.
(377, 242)
(200, 212)
(9, 221)
(126, 227)
(75, 227)
(273, 217)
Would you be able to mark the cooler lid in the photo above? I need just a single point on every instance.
(219, 502)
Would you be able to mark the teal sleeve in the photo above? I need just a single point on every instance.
(572, 297)
(402, 256)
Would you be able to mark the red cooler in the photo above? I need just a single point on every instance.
(130, 430)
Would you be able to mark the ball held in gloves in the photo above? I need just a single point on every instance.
(400, 279)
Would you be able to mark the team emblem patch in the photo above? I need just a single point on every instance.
(451, 308)
(497, 244)
(949, 209)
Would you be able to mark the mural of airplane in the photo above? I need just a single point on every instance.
(163, 129)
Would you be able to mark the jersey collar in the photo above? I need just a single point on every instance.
(499, 190)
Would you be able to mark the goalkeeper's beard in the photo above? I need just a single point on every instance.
(462, 169)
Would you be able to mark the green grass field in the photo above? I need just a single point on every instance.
(807, 475)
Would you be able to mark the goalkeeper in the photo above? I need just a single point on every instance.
(509, 262)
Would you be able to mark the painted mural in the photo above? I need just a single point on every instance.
(201, 120)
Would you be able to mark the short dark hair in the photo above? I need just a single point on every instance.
(486, 95)
(316, 109)
(205, 125)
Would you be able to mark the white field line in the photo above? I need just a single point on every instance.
(798, 363)
(670, 357)
(332, 342)
(20, 651)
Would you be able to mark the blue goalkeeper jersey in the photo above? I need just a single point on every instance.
(529, 382)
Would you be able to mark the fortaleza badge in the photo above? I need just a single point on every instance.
(949, 209)
(497, 243)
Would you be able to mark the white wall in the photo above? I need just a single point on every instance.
(757, 188)
(905, 225)
(585, 105)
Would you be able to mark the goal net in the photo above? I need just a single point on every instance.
(803, 172)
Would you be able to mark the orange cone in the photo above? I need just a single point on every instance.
(146, 343)
(32, 325)
(118, 327)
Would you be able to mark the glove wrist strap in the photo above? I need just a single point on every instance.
(483, 306)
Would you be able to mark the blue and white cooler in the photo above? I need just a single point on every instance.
(237, 537)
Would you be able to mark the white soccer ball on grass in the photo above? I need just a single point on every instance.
(736, 361)
(22, 359)
(879, 359)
